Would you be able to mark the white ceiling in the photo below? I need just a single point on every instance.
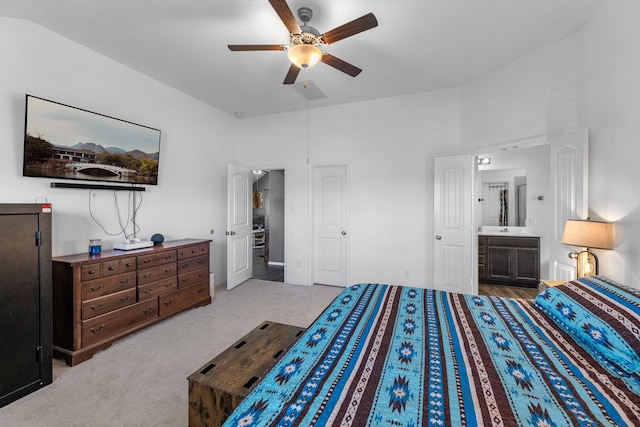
(419, 45)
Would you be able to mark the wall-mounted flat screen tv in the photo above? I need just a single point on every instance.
(64, 142)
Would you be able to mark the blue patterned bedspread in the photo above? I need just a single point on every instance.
(383, 355)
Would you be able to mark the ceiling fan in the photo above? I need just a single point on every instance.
(304, 49)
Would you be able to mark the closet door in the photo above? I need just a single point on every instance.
(330, 219)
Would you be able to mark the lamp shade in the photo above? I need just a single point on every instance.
(304, 55)
(588, 234)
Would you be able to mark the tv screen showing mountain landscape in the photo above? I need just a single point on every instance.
(70, 143)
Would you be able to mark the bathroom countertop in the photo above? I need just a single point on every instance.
(507, 234)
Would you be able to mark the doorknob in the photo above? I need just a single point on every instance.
(230, 233)
(344, 233)
(438, 237)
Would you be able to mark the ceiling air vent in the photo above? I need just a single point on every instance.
(308, 90)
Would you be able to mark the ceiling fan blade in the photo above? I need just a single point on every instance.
(247, 47)
(292, 75)
(339, 64)
(284, 12)
(349, 29)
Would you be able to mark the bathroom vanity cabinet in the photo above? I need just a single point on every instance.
(509, 260)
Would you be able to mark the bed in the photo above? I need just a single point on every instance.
(383, 355)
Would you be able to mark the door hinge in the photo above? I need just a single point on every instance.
(39, 356)
(38, 238)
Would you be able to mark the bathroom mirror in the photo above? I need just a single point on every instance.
(504, 197)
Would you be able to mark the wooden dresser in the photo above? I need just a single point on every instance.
(98, 299)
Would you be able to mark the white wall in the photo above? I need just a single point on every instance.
(389, 146)
(197, 142)
(588, 80)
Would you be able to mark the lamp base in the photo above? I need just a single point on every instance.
(587, 264)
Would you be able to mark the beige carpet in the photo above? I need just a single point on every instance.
(142, 380)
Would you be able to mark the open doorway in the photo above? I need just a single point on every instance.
(268, 224)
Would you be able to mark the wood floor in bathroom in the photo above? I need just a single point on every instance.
(508, 291)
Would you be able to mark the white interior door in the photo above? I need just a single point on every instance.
(330, 200)
(239, 225)
(454, 244)
(569, 180)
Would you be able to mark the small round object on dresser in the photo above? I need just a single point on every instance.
(157, 238)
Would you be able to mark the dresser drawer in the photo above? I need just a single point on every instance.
(149, 275)
(91, 271)
(191, 264)
(157, 288)
(128, 264)
(103, 327)
(151, 260)
(194, 250)
(193, 277)
(110, 268)
(105, 304)
(107, 285)
(176, 301)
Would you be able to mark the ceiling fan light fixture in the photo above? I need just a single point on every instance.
(304, 55)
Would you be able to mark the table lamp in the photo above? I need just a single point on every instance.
(587, 234)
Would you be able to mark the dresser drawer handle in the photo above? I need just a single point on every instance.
(168, 270)
(92, 272)
(122, 282)
(127, 298)
(97, 331)
(128, 264)
(201, 290)
(185, 265)
(167, 303)
(168, 285)
(168, 257)
(146, 276)
(98, 307)
(97, 288)
(147, 310)
(148, 291)
(111, 268)
(146, 261)
(201, 262)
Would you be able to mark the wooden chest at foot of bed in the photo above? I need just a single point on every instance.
(219, 386)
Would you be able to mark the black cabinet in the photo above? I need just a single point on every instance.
(512, 261)
(25, 300)
(482, 258)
